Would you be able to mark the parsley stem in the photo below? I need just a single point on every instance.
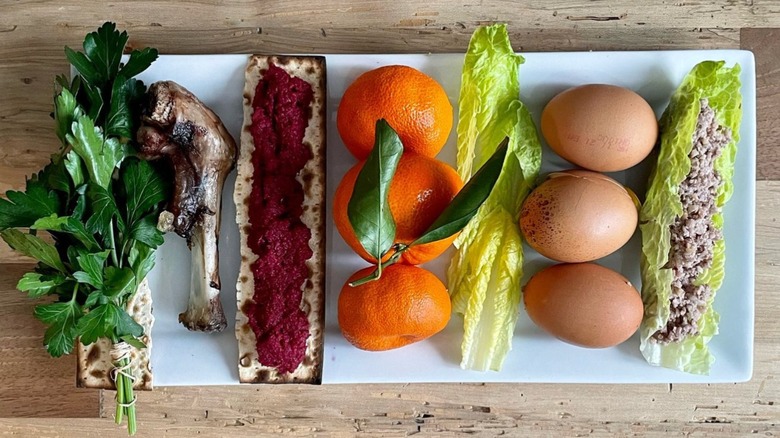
(125, 403)
(131, 427)
(119, 398)
(113, 246)
(124, 249)
(75, 292)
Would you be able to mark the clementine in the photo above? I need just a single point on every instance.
(405, 305)
(421, 189)
(413, 103)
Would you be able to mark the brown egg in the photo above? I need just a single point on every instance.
(578, 216)
(600, 127)
(584, 304)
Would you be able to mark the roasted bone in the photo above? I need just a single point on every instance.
(178, 126)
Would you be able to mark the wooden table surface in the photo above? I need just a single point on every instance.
(37, 393)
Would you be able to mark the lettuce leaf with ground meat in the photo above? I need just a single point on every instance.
(721, 86)
(485, 272)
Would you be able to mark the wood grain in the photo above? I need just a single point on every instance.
(765, 45)
(400, 13)
(32, 34)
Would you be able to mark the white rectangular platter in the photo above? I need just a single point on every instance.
(187, 358)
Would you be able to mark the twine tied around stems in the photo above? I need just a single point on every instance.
(119, 352)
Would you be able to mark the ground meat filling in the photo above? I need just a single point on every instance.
(693, 233)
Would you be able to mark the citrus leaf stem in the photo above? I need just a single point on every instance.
(454, 217)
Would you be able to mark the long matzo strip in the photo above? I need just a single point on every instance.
(312, 177)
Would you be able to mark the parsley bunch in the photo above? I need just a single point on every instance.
(97, 200)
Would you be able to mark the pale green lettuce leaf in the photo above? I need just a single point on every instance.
(484, 274)
(489, 86)
(490, 309)
(721, 86)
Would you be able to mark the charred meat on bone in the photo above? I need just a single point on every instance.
(180, 128)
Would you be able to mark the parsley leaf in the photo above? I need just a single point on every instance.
(104, 49)
(22, 209)
(37, 284)
(74, 86)
(145, 188)
(33, 246)
(91, 268)
(126, 325)
(96, 296)
(83, 65)
(63, 82)
(81, 203)
(145, 230)
(94, 100)
(124, 97)
(60, 337)
(118, 281)
(134, 341)
(101, 155)
(67, 224)
(98, 323)
(74, 167)
(141, 260)
(66, 110)
(49, 313)
(102, 53)
(103, 210)
(62, 318)
(56, 176)
(139, 61)
(73, 253)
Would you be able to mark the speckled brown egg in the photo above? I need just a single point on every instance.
(600, 127)
(578, 216)
(584, 304)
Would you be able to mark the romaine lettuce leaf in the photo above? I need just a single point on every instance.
(721, 86)
(489, 87)
(484, 274)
